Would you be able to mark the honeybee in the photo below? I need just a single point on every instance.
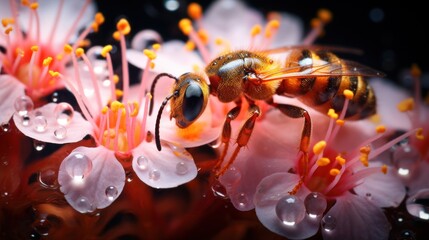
(317, 77)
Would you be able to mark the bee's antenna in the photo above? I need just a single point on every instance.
(152, 88)
(158, 118)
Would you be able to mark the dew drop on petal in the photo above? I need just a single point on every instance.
(329, 223)
(231, 177)
(48, 178)
(418, 204)
(5, 127)
(111, 193)
(181, 168)
(407, 235)
(315, 204)
(55, 97)
(404, 158)
(78, 166)
(129, 176)
(219, 190)
(26, 120)
(83, 205)
(64, 113)
(60, 133)
(39, 145)
(42, 226)
(40, 124)
(290, 210)
(154, 175)
(23, 105)
(142, 163)
(242, 200)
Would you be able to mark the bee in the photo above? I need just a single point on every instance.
(315, 76)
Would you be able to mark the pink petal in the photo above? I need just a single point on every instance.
(102, 182)
(383, 190)
(10, 90)
(269, 191)
(168, 168)
(419, 178)
(290, 31)
(75, 131)
(356, 218)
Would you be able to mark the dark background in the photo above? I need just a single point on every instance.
(390, 44)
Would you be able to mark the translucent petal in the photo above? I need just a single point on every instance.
(10, 90)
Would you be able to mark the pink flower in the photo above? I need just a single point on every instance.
(34, 34)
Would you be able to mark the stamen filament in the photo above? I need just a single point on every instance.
(129, 128)
(145, 114)
(56, 20)
(118, 122)
(93, 79)
(76, 21)
(203, 50)
(17, 61)
(103, 120)
(125, 74)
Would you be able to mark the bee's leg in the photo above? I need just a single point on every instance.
(242, 138)
(298, 112)
(226, 134)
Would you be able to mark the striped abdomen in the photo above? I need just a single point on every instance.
(323, 93)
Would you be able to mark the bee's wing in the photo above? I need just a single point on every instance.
(340, 49)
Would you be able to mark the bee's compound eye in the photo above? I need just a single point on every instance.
(193, 102)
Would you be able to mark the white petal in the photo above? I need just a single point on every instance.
(163, 169)
(290, 31)
(356, 218)
(10, 90)
(99, 187)
(77, 129)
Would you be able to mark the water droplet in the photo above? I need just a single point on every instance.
(404, 158)
(418, 204)
(181, 168)
(154, 175)
(231, 177)
(55, 97)
(83, 205)
(407, 235)
(111, 193)
(26, 120)
(143, 163)
(290, 210)
(23, 105)
(40, 124)
(48, 178)
(329, 223)
(78, 166)
(179, 150)
(315, 204)
(219, 190)
(368, 196)
(39, 145)
(242, 200)
(42, 226)
(60, 133)
(5, 127)
(129, 176)
(64, 113)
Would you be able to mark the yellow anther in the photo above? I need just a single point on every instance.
(115, 105)
(53, 73)
(34, 5)
(340, 160)
(190, 45)
(273, 24)
(116, 35)
(380, 129)
(324, 15)
(34, 48)
(119, 93)
(218, 41)
(59, 57)
(106, 49)
(25, 2)
(204, 36)
(150, 54)
(319, 147)
(185, 26)
(110, 133)
(99, 18)
(8, 30)
(47, 61)
(123, 26)
(406, 105)
(384, 169)
(79, 52)
(156, 46)
(68, 49)
(415, 71)
(334, 172)
(136, 108)
(104, 110)
(84, 43)
(365, 150)
(348, 94)
(332, 114)
(195, 11)
(340, 122)
(315, 23)
(419, 134)
(323, 162)
(20, 52)
(376, 118)
(255, 30)
(7, 21)
(95, 27)
(152, 65)
(364, 160)
(196, 68)
(115, 78)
